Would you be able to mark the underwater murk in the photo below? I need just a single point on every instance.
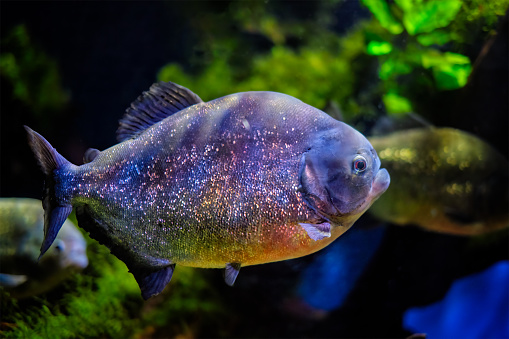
(304, 89)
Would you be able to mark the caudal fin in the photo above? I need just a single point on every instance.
(55, 210)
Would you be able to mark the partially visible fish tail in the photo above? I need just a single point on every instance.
(55, 210)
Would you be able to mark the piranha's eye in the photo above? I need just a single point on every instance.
(359, 164)
(60, 247)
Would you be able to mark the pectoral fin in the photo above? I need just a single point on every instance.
(317, 231)
(153, 283)
(231, 272)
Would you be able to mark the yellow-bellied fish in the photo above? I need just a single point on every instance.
(444, 180)
(245, 179)
(21, 234)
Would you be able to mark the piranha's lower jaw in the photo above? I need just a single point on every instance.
(380, 184)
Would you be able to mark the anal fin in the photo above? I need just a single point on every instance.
(231, 272)
(153, 283)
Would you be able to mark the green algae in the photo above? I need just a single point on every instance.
(105, 301)
(105, 290)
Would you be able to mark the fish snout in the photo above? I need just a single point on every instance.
(380, 183)
(75, 258)
(80, 261)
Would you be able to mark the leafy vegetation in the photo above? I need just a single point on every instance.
(409, 46)
(415, 45)
(313, 76)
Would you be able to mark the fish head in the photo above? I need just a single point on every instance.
(69, 250)
(341, 175)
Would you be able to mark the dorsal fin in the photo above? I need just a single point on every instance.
(159, 102)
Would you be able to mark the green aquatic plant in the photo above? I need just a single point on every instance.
(189, 306)
(316, 76)
(105, 301)
(33, 74)
(408, 48)
(480, 14)
(270, 19)
(412, 30)
(301, 57)
(414, 41)
(105, 290)
(274, 72)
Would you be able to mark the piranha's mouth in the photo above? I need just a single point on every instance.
(380, 184)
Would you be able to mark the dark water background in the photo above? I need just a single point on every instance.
(109, 52)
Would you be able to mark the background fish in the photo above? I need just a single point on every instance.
(246, 179)
(22, 231)
(444, 180)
